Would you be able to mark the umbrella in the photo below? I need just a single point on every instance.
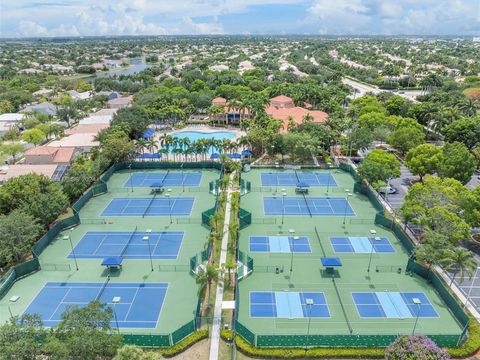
(215, 156)
(247, 152)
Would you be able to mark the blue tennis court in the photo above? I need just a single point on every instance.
(361, 245)
(279, 244)
(130, 245)
(149, 206)
(157, 179)
(391, 304)
(288, 305)
(139, 305)
(318, 206)
(292, 179)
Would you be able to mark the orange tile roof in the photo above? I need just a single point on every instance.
(59, 155)
(219, 100)
(297, 113)
(86, 129)
(281, 98)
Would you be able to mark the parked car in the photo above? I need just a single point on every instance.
(387, 190)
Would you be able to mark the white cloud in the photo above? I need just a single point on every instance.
(395, 16)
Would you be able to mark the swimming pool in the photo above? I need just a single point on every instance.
(196, 135)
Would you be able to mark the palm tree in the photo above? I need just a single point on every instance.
(151, 145)
(468, 107)
(141, 144)
(459, 260)
(206, 278)
(308, 118)
(229, 266)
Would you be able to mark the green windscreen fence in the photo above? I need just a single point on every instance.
(147, 340)
(183, 332)
(245, 218)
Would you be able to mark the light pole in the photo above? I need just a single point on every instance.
(373, 232)
(183, 179)
(471, 287)
(115, 301)
(147, 239)
(346, 206)
(69, 238)
(283, 205)
(294, 238)
(131, 180)
(328, 177)
(417, 302)
(12, 300)
(167, 195)
(309, 303)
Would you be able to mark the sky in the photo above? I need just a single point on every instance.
(39, 18)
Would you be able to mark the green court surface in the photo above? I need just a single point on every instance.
(180, 303)
(271, 270)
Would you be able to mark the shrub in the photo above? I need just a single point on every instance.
(415, 347)
(299, 353)
(472, 344)
(185, 343)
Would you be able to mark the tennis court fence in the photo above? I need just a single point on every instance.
(265, 221)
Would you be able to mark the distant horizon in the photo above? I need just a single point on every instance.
(81, 18)
(463, 36)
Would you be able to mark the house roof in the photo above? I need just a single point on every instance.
(281, 98)
(45, 107)
(86, 128)
(76, 140)
(104, 119)
(104, 112)
(59, 155)
(296, 113)
(12, 117)
(11, 171)
(124, 100)
(219, 100)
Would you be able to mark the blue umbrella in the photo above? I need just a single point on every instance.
(234, 156)
(303, 184)
(247, 152)
(215, 156)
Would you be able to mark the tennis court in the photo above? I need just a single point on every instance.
(288, 305)
(136, 305)
(292, 179)
(166, 178)
(305, 206)
(178, 206)
(361, 245)
(399, 305)
(280, 244)
(130, 245)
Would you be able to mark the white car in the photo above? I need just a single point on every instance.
(387, 190)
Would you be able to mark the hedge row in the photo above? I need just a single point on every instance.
(184, 344)
(472, 345)
(469, 348)
(299, 353)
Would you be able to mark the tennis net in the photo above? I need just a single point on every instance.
(128, 241)
(342, 306)
(306, 203)
(149, 204)
(103, 288)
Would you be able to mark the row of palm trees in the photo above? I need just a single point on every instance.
(184, 149)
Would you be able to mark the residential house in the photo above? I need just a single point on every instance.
(44, 108)
(52, 171)
(79, 96)
(10, 120)
(121, 102)
(50, 155)
(83, 142)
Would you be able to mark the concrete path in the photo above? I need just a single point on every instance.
(217, 313)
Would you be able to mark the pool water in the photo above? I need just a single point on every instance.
(196, 135)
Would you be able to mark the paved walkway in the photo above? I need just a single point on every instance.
(217, 314)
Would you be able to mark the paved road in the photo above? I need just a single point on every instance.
(362, 89)
(402, 184)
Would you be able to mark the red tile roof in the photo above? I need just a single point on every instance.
(219, 100)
